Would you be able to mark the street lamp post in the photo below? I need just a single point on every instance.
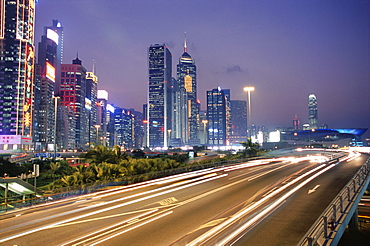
(204, 131)
(249, 118)
(55, 125)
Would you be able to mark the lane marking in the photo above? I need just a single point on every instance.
(314, 189)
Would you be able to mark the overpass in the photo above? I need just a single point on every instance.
(262, 202)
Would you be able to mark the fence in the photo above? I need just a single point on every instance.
(330, 226)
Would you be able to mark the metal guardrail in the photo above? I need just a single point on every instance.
(330, 226)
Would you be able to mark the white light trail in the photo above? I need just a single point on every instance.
(200, 180)
(222, 226)
(272, 206)
(134, 227)
(109, 227)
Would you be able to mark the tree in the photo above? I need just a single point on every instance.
(138, 153)
(9, 168)
(250, 148)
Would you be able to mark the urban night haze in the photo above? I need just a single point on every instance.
(286, 49)
(184, 122)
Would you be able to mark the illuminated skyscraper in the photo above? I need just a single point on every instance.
(312, 111)
(216, 116)
(187, 79)
(91, 101)
(159, 100)
(72, 96)
(16, 73)
(296, 123)
(45, 87)
(238, 121)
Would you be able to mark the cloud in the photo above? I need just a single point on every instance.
(230, 69)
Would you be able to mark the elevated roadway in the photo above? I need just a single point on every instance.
(264, 202)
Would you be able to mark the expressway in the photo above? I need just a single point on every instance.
(262, 202)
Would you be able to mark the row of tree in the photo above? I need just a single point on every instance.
(111, 164)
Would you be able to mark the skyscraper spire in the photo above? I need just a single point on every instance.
(185, 46)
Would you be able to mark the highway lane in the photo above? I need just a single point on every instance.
(200, 202)
(287, 225)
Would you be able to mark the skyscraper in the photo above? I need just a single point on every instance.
(312, 111)
(159, 100)
(238, 121)
(296, 123)
(16, 73)
(216, 116)
(91, 101)
(44, 103)
(73, 94)
(187, 79)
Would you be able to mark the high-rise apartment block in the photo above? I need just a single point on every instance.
(17, 58)
(159, 99)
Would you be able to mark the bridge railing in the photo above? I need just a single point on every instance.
(337, 215)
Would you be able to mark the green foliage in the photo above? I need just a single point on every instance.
(101, 153)
(251, 149)
(110, 164)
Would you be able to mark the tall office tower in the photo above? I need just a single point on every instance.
(159, 100)
(44, 95)
(123, 127)
(111, 134)
(228, 115)
(138, 128)
(216, 116)
(296, 123)
(187, 79)
(202, 133)
(91, 105)
(180, 132)
(238, 121)
(145, 125)
(73, 94)
(55, 31)
(312, 111)
(101, 113)
(16, 73)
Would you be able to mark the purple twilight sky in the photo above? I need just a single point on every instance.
(286, 49)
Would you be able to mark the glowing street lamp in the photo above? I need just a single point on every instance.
(249, 119)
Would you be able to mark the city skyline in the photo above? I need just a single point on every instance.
(286, 50)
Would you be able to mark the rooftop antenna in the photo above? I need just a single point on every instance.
(185, 46)
(93, 68)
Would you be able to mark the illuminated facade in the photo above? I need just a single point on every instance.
(159, 99)
(46, 85)
(312, 111)
(72, 95)
(101, 114)
(16, 72)
(124, 128)
(216, 117)
(188, 107)
(238, 121)
(296, 123)
(91, 101)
